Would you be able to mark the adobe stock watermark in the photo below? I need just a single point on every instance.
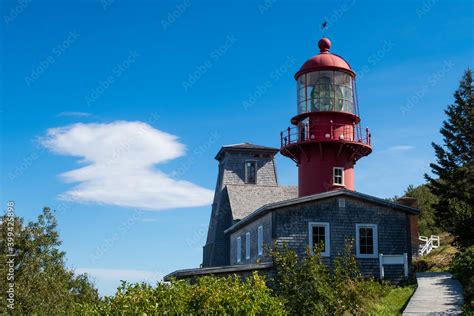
(193, 159)
(106, 4)
(125, 145)
(426, 7)
(175, 14)
(204, 67)
(431, 82)
(24, 165)
(263, 88)
(110, 242)
(117, 72)
(338, 13)
(16, 11)
(375, 58)
(10, 255)
(265, 5)
(38, 70)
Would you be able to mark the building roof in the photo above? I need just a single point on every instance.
(245, 147)
(240, 268)
(245, 199)
(295, 201)
(325, 61)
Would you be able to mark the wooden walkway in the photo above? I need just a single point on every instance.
(437, 294)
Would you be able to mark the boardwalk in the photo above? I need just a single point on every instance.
(437, 294)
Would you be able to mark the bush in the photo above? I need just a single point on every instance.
(462, 269)
(209, 296)
(310, 287)
(301, 286)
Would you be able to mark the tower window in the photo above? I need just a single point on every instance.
(250, 172)
(318, 234)
(338, 176)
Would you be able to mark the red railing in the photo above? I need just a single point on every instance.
(328, 132)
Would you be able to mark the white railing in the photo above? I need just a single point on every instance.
(430, 243)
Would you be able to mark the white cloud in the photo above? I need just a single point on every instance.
(401, 148)
(76, 114)
(120, 158)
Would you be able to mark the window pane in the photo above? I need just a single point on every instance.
(312, 78)
(250, 171)
(370, 249)
(319, 237)
(366, 240)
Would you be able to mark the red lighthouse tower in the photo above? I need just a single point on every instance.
(326, 139)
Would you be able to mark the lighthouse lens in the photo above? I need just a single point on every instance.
(325, 91)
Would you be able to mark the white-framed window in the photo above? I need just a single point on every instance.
(250, 171)
(318, 234)
(338, 176)
(247, 245)
(366, 241)
(238, 249)
(260, 240)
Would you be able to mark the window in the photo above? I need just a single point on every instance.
(338, 176)
(247, 246)
(260, 240)
(319, 237)
(325, 91)
(239, 249)
(250, 172)
(342, 202)
(366, 241)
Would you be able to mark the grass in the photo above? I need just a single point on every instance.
(394, 302)
(439, 259)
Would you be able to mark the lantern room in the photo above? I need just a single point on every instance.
(326, 83)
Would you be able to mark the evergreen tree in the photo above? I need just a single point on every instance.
(453, 180)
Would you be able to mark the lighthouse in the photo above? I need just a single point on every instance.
(326, 138)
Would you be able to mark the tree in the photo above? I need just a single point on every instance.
(42, 282)
(453, 180)
(425, 200)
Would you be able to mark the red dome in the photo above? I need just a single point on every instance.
(325, 61)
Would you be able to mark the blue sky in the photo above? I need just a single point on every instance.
(112, 110)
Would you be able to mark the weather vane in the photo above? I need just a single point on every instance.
(324, 26)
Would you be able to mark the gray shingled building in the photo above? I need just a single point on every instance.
(251, 212)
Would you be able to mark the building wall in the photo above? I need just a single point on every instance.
(290, 226)
(266, 222)
(234, 171)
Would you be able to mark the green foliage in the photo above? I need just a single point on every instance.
(462, 268)
(425, 200)
(43, 284)
(453, 183)
(303, 286)
(394, 302)
(437, 260)
(209, 296)
(310, 287)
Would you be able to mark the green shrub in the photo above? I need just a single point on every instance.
(311, 288)
(209, 296)
(462, 268)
